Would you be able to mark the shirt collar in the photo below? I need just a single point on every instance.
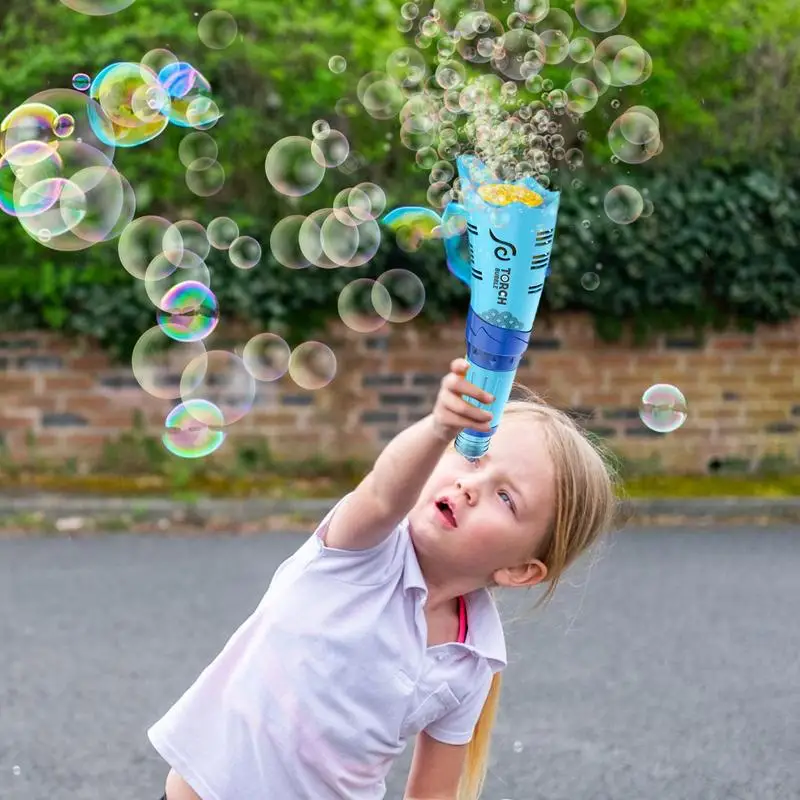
(483, 617)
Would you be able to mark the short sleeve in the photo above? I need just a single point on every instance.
(458, 725)
(370, 566)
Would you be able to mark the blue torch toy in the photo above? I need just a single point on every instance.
(510, 228)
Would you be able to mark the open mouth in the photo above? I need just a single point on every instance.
(446, 512)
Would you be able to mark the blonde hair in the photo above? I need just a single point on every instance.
(586, 506)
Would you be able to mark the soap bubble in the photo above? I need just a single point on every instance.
(158, 361)
(600, 16)
(413, 226)
(320, 129)
(407, 68)
(339, 239)
(364, 305)
(202, 113)
(245, 252)
(81, 81)
(522, 53)
(64, 126)
(631, 66)
(406, 294)
(97, 8)
(44, 192)
(124, 117)
(189, 312)
(292, 168)
(35, 120)
(366, 201)
(266, 357)
(189, 94)
(625, 61)
(158, 58)
(195, 245)
(221, 378)
(312, 365)
(284, 242)
(337, 64)
(94, 205)
(162, 276)
(442, 171)
(144, 239)
(663, 408)
(217, 29)
(310, 239)
(581, 49)
(330, 150)
(195, 146)
(193, 429)
(634, 137)
(623, 204)
(222, 232)
(590, 281)
(439, 194)
(556, 46)
(205, 178)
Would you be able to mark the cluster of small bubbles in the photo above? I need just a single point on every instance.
(266, 357)
(217, 29)
(663, 408)
(337, 64)
(590, 281)
(623, 204)
(81, 81)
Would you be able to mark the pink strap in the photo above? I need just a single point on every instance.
(462, 620)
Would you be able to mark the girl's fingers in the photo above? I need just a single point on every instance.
(461, 386)
(460, 366)
(466, 411)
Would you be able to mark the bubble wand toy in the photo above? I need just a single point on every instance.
(509, 234)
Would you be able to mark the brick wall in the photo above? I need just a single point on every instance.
(64, 399)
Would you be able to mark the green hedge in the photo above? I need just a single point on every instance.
(721, 243)
(720, 246)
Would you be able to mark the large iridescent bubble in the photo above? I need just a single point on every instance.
(133, 106)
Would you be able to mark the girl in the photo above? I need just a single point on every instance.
(382, 626)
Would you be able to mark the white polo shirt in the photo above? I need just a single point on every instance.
(317, 693)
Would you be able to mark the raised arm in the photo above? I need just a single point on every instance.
(390, 490)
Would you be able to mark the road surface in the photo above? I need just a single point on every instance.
(668, 669)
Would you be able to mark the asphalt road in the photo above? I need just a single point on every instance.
(669, 668)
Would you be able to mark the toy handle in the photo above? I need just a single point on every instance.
(456, 262)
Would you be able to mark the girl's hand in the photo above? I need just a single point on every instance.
(452, 412)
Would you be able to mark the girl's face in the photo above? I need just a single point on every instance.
(499, 509)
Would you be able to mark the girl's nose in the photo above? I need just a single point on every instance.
(468, 489)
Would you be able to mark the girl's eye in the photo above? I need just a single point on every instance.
(510, 501)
